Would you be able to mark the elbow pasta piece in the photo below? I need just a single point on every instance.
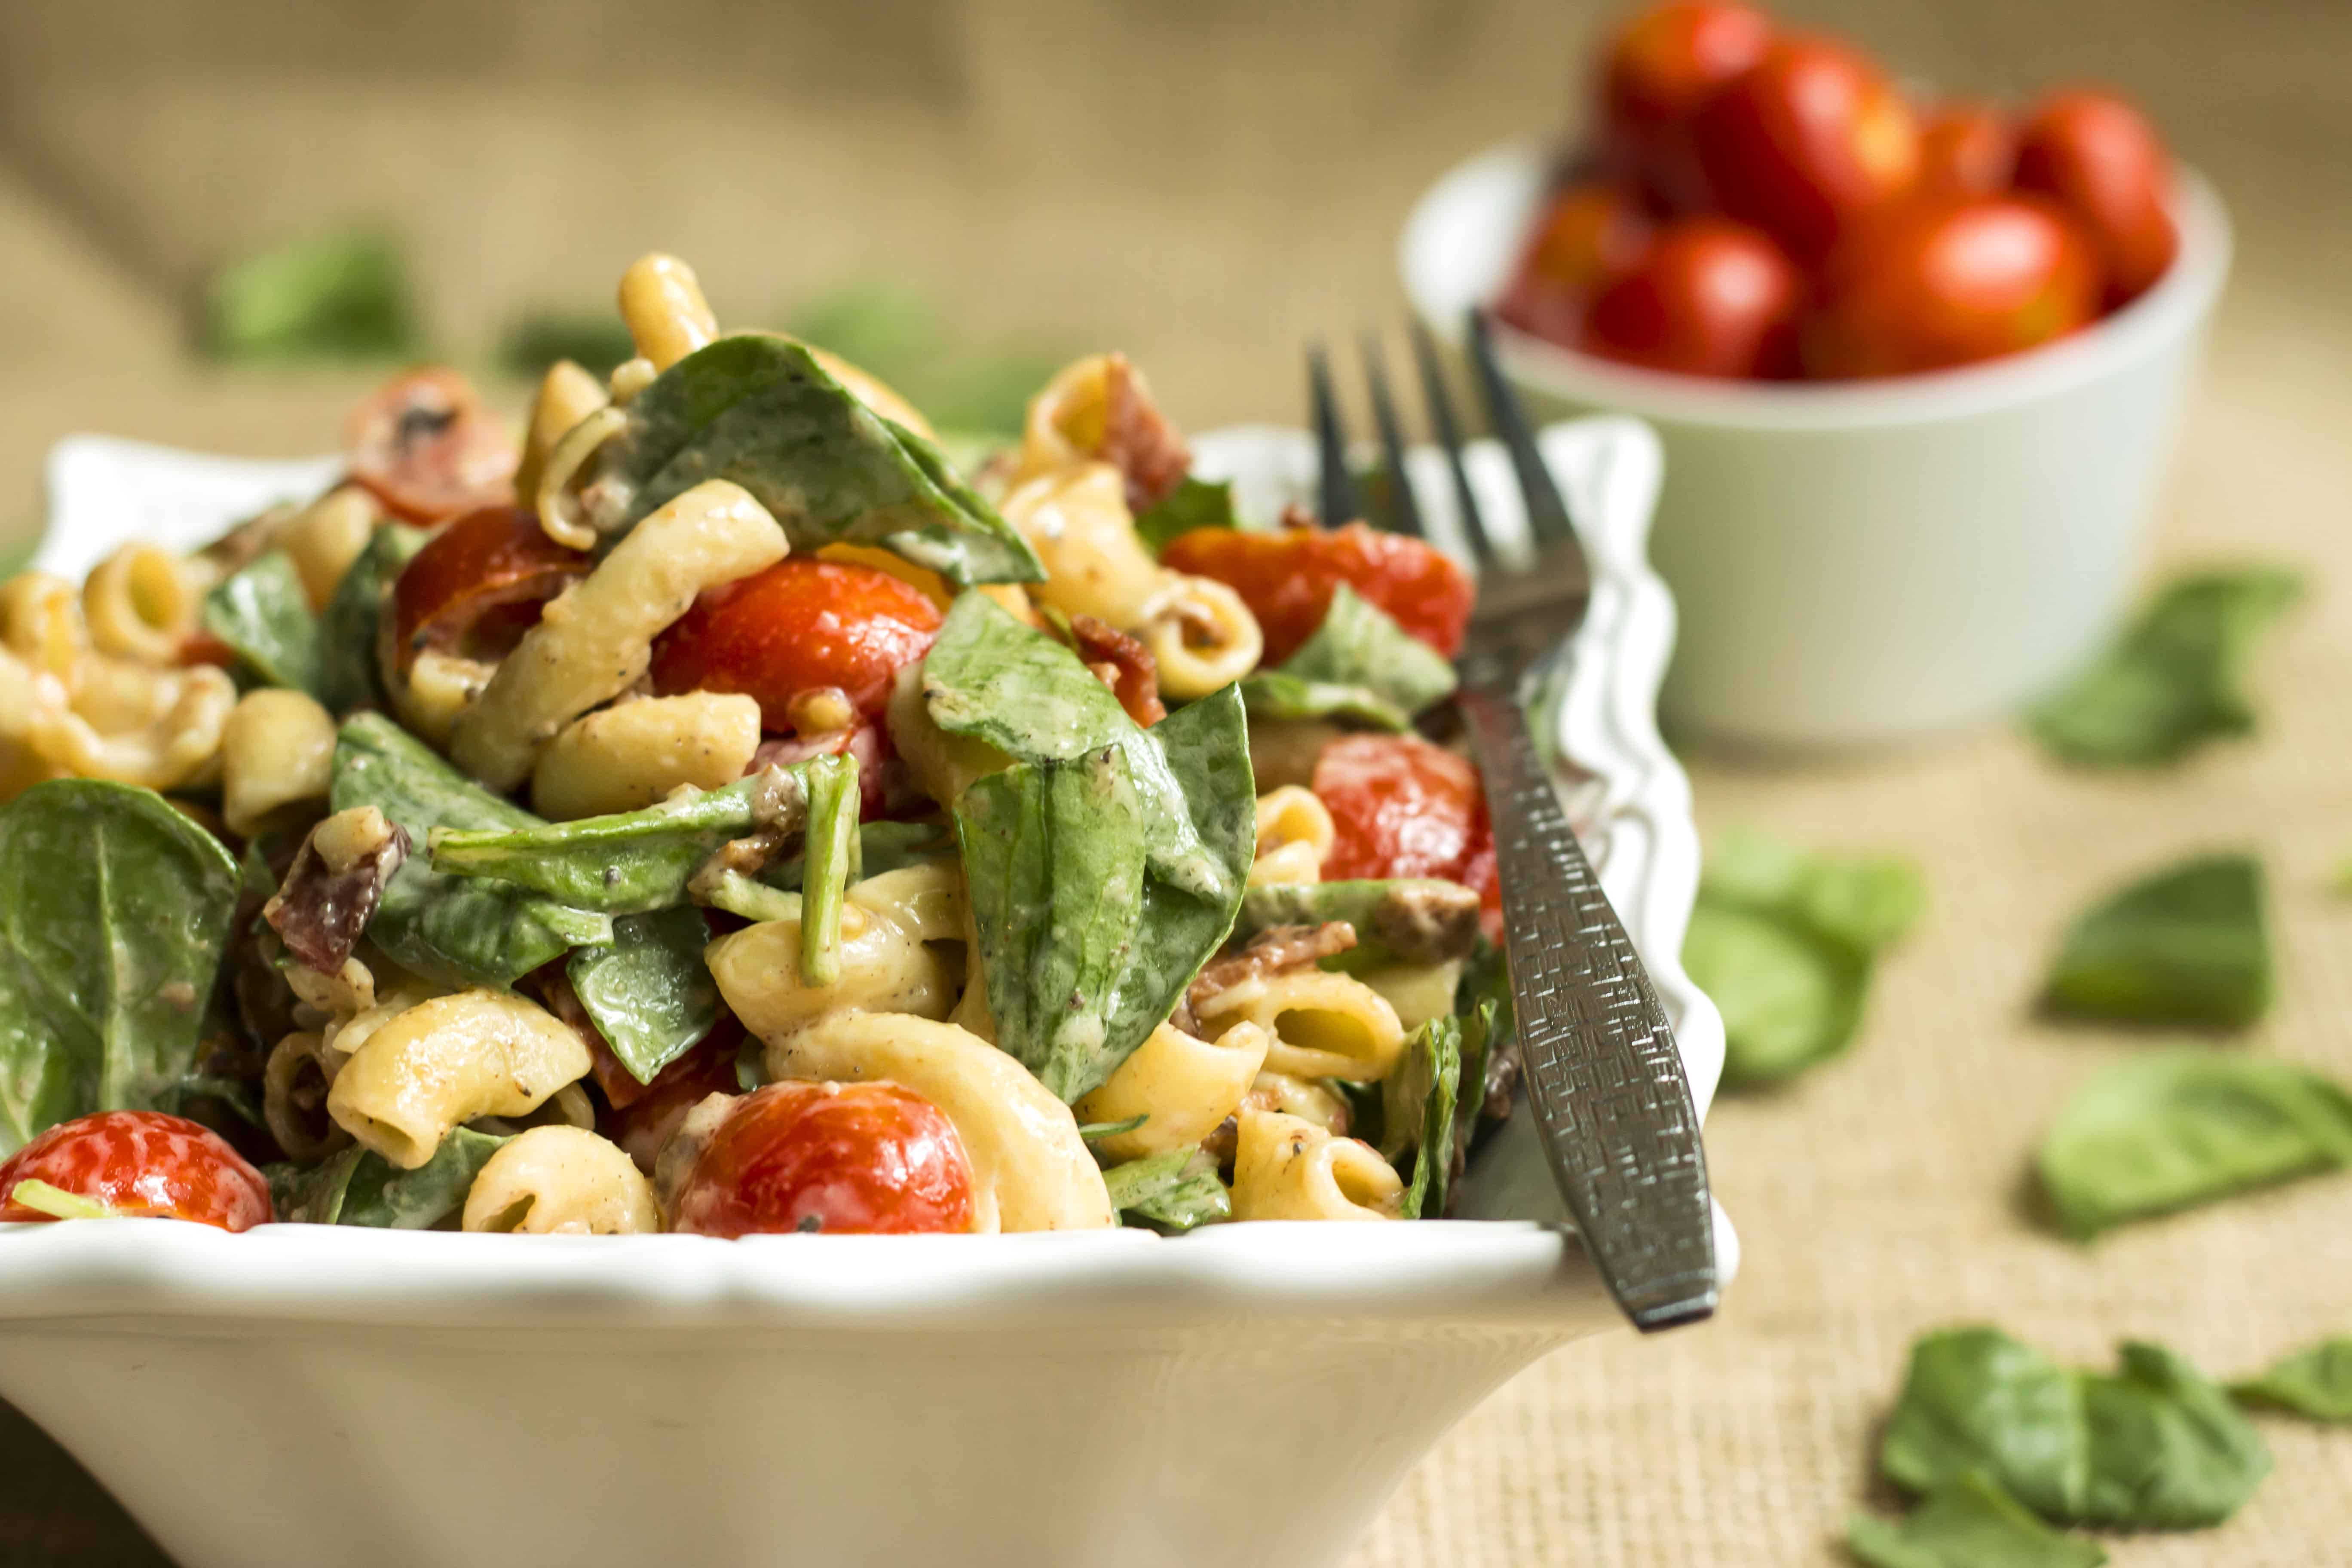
(1293, 815)
(21, 767)
(1182, 1087)
(1419, 992)
(1324, 1025)
(566, 396)
(561, 1181)
(139, 605)
(1287, 1168)
(595, 638)
(631, 754)
(1291, 864)
(1076, 519)
(630, 377)
(324, 538)
(41, 623)
(1065, 423)
(888, 965)
(1307, 1099)
(663, 305)
(939, 764)
(435, 688)
(292, 1107)
(277, 750)
(448, 1060)
(1201, 636)
(180, 746)
(1030, 1169)
(552, 497)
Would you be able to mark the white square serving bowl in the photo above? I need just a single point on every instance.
(306, 1395)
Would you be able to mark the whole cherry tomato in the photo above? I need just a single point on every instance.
(1287, 578)
(1399, 807)
(1591, 234)
(479, 583)
(1966, 147)
(428, 448)
(1947, 280)
(1804, 141)
(798, 626)
(141, 1162)
(1712, 297)
(857, 1157)
(1658, 69)
(2098, 157)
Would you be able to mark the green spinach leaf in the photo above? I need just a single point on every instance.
(1279, 694)
(2316, 1380)
(342, 294)
(882, 847)
(1360, 664)
(1172, 1191)
(1417, 1109)
(2186, 945)
(649, 993)
(761, 412)
(261, 613)
(357, 1186)
(829, 864)
(114, 914)
(1484, 1000)
(1968, 1523)
(1194, 503)
(1407, 921)
(455, 931)
(347, 631)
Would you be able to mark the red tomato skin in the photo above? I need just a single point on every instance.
(1399, 807)
(1287, 578)
(141, 1161)
(2098, 157)
(428, 449)
(1967, 149)
(1712, 297)
(862, 1158)
(1590, 235)
(1949, 280)
(1805, 141)
(800, 625)
(494, 559)
(1657, 71)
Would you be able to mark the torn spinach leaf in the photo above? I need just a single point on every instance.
(2175, 678)
(1173, 1192)
(1967, 1522)
(455, 931)
(260, 612)
(2174, 1129)
(882, 847)
(1194, 503)
(114, 915)
(2314, 1382)
(347, 631)
(648, 991)
(1277, 694)
(2186, 945)
(829, 864)
(760, 411)
(1483, 1000)
(1093, 1131)
(1405, 920)
(358, 1186)
(338, 295)
(1359, 665)
(1417, 1108)
(2151, 1446)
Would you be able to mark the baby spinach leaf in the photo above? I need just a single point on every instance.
(1279, 694)
(1968, 1523)
(829, 864)
(649, 993)
(114, 913)
(455, 931)
(2316, 1380)
(342, 294)
(2169, 1451)
(1171, 1192)
(1094, 1131)
(1194, 503)
(1867, 900)
(2186, 945)
(1484, 1000)
(2174, 1129)
(261, 613)
(2175, 678)
(1417, 1106)
(882, 847)
(1405, 920)
(347, 631)
(358, 1186)
(1360, 664)
(761, 412)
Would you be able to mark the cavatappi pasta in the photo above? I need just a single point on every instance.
(702, 808)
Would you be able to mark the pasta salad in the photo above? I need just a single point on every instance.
(719, 811)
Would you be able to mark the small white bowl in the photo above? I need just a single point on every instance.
(1866, 560)
(306, 1394)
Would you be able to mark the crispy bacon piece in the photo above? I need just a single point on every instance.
(1270, 952)
(331, 891)
(1125, 665)
(1139, 440)
(428, 448)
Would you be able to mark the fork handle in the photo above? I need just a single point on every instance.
(1604, 1079)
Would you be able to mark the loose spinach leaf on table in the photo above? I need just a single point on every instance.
(114, 913)
(2173, 1130)
(1968, 1523)
(1194, 503)
(648, 991)
(2316, 1380)
(1171, 1192)
(2151, 1446)
(1359, 665)
(342, 294)
(1417, 1111)
(456, 931)
(2186, 945)
(761, 412)
(260, 612)
(347, 630)
(358, 1186)
(2174, 677)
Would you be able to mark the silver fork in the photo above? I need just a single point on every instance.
(1603, 1079)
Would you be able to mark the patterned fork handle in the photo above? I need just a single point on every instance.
(1603, 1078)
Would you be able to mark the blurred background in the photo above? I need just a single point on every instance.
(1205, 184)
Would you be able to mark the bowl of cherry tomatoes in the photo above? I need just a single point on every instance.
(1917, 364)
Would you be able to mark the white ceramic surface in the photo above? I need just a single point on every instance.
(305, 1394)
(1867, 562)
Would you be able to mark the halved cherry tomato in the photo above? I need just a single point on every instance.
(2098, 157)
(1287, 579)
(1805, 141)
(856, 1157)
(1712, 297)
(478, 583)
(1948, 280)
(428, 448)
(1399, 807)
(1967, 148)
(141, 1163)
(799, 624)
(1592, 235)
(1657, 71)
